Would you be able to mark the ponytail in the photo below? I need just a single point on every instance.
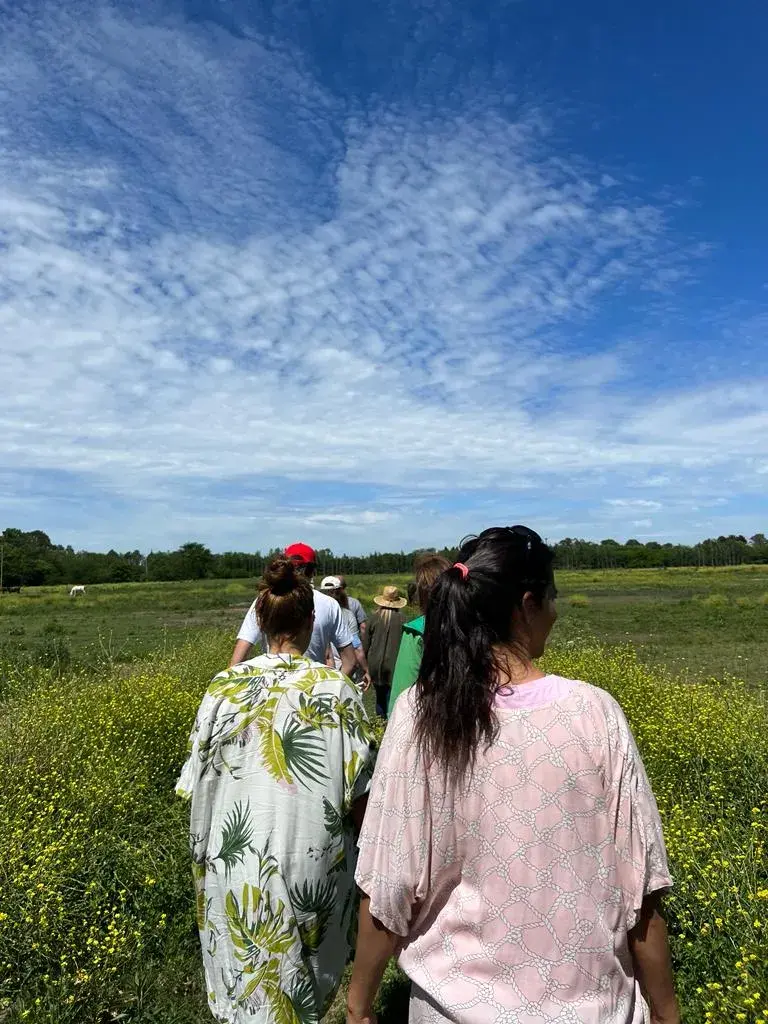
(469, 614)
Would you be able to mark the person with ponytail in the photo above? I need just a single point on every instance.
(278, 771)
(429, 566)
(512, 853)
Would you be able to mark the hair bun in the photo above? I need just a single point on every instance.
(281, 577)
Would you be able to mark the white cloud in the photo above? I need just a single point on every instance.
(629, 503)
(365, 517)
(389, 299)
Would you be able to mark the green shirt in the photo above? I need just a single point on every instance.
(408, 659)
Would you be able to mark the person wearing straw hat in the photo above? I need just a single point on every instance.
(382, 642)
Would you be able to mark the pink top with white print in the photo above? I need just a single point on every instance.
(514, 895)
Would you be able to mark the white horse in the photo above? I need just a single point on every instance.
(79, 589)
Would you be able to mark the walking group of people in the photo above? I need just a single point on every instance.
(503, 843)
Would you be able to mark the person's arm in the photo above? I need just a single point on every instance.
(348, 659)
(649, 947)
(367, 637)
(247, 638)
(362, 663)
(241, 652)
(343, 639)
(375, 945)
(361, 617)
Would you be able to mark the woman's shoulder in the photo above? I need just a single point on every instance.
(588, 693)
(288, 670)
(317, 673)
(604, 711)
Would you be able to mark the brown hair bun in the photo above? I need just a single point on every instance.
(280, 576)
(285, 600)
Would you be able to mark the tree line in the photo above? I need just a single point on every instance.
(32, 559)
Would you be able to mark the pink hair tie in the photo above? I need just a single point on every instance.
(462, 569)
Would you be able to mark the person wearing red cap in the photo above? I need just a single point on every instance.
(328, 627)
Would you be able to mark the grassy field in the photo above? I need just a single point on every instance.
(97, 696)
(704, 622)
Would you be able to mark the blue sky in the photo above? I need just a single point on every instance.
(379, 275)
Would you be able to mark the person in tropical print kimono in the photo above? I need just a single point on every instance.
(278, 771)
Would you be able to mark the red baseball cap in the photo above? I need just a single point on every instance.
(301, 553)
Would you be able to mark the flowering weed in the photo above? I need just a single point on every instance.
(96, 915)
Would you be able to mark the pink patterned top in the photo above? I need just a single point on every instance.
(514, 896)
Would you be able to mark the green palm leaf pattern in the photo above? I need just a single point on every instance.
(237, 687)
(309, 679)
(258, 929)
(315, 902)
(266, 734)
(303, 749)
(198, 875)
(352, 719)
(304, 1000)
(280, 1004)
(262, 715)
(235, 837)
(275, 756)
(339, 861)
(267, 978)
(333, 820)
(318, 712)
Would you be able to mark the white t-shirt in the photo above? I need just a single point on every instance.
(329, 627)
(357, 610)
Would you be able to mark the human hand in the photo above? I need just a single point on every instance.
(367, 681)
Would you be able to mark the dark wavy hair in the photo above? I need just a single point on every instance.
(285, 600)
(467, 617)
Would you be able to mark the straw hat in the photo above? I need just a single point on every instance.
(390, 598)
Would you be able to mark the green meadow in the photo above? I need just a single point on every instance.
(97, 697)
(704, 622)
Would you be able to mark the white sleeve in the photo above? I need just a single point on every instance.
(341, 633)
(250, 630)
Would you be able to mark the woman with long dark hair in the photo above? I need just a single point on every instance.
(512, 851)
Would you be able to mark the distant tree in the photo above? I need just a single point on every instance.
(195, 560)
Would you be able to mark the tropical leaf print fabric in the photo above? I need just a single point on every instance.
(281, 749)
